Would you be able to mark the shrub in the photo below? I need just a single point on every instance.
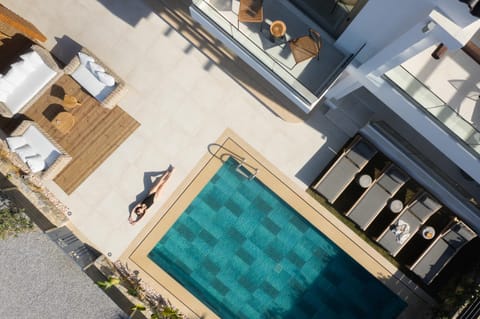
(13, 221)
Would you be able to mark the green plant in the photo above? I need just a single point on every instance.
(135, 308)
(112, 281)
(13, 222)
(170, 313)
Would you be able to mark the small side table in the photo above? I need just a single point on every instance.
(364, 181)
(396, 206)
(64, 122)
(70, 102)
(278, 29)
(428, 232)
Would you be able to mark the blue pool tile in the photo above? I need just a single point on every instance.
(245, 256)
(269, 290)
(238, 267)
(219, 286)
(234, 207)
(236, 236)
(261, 237)
(299, 223)
(270, 226)
(261, 206)
(274, 251)
(248, 283)
(210, 266)
(207, 237)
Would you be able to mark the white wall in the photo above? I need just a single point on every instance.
(381, 22)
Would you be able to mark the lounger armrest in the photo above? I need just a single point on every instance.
(5, 111)
(72, 65)
(47, 58)
(57, 166)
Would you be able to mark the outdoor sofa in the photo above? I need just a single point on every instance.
(441, 252)
(26, 80)
(343, 170)
(96, 78)
(413, 217)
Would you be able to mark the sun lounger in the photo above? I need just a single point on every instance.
(442, 250)
(369, 205)
(343, 171)
(414, 216)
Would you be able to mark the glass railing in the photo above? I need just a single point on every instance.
(270, 61)
(443, 112)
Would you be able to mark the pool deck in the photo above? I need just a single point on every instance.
(184, 101)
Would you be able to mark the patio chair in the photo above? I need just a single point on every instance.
(441, 252)
(343, 170)
(371, 203)
(35, 152)
(250, 11)
(414, 216)
(306, 47)
(95, 81)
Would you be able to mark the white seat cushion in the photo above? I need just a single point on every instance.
(90, 83)
(15, 142)
(25, 151)
(29, 87)
(42, 145)
(36, 163)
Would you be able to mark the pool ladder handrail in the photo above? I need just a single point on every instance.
(242, 172)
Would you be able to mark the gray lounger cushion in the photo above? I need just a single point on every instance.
(388, 239)
(376, 197)
(445, 247)
(415, 215)
(343, 171)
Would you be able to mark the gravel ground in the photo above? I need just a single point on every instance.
(38, 280)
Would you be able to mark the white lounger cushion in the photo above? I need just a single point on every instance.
(24, 80)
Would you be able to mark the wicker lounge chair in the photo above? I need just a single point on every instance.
(343, 171)
(370, 204)
(109, 96)
(53, 156)
(415, 215)
(442, 250)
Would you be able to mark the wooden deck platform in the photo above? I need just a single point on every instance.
(97, 132)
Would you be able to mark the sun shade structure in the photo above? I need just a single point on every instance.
(11, 24)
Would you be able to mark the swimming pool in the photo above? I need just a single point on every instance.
(245, 253)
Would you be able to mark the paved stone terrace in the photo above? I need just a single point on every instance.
(183, 100)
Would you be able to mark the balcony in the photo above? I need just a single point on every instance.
(304, 83)
(446, 90)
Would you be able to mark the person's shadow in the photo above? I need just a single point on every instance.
(149, 179)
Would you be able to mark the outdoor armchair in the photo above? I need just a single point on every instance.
(94, 76)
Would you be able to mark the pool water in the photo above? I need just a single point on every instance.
(245, 253)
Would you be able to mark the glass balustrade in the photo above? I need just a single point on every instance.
(308, 80)
(430, 102)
